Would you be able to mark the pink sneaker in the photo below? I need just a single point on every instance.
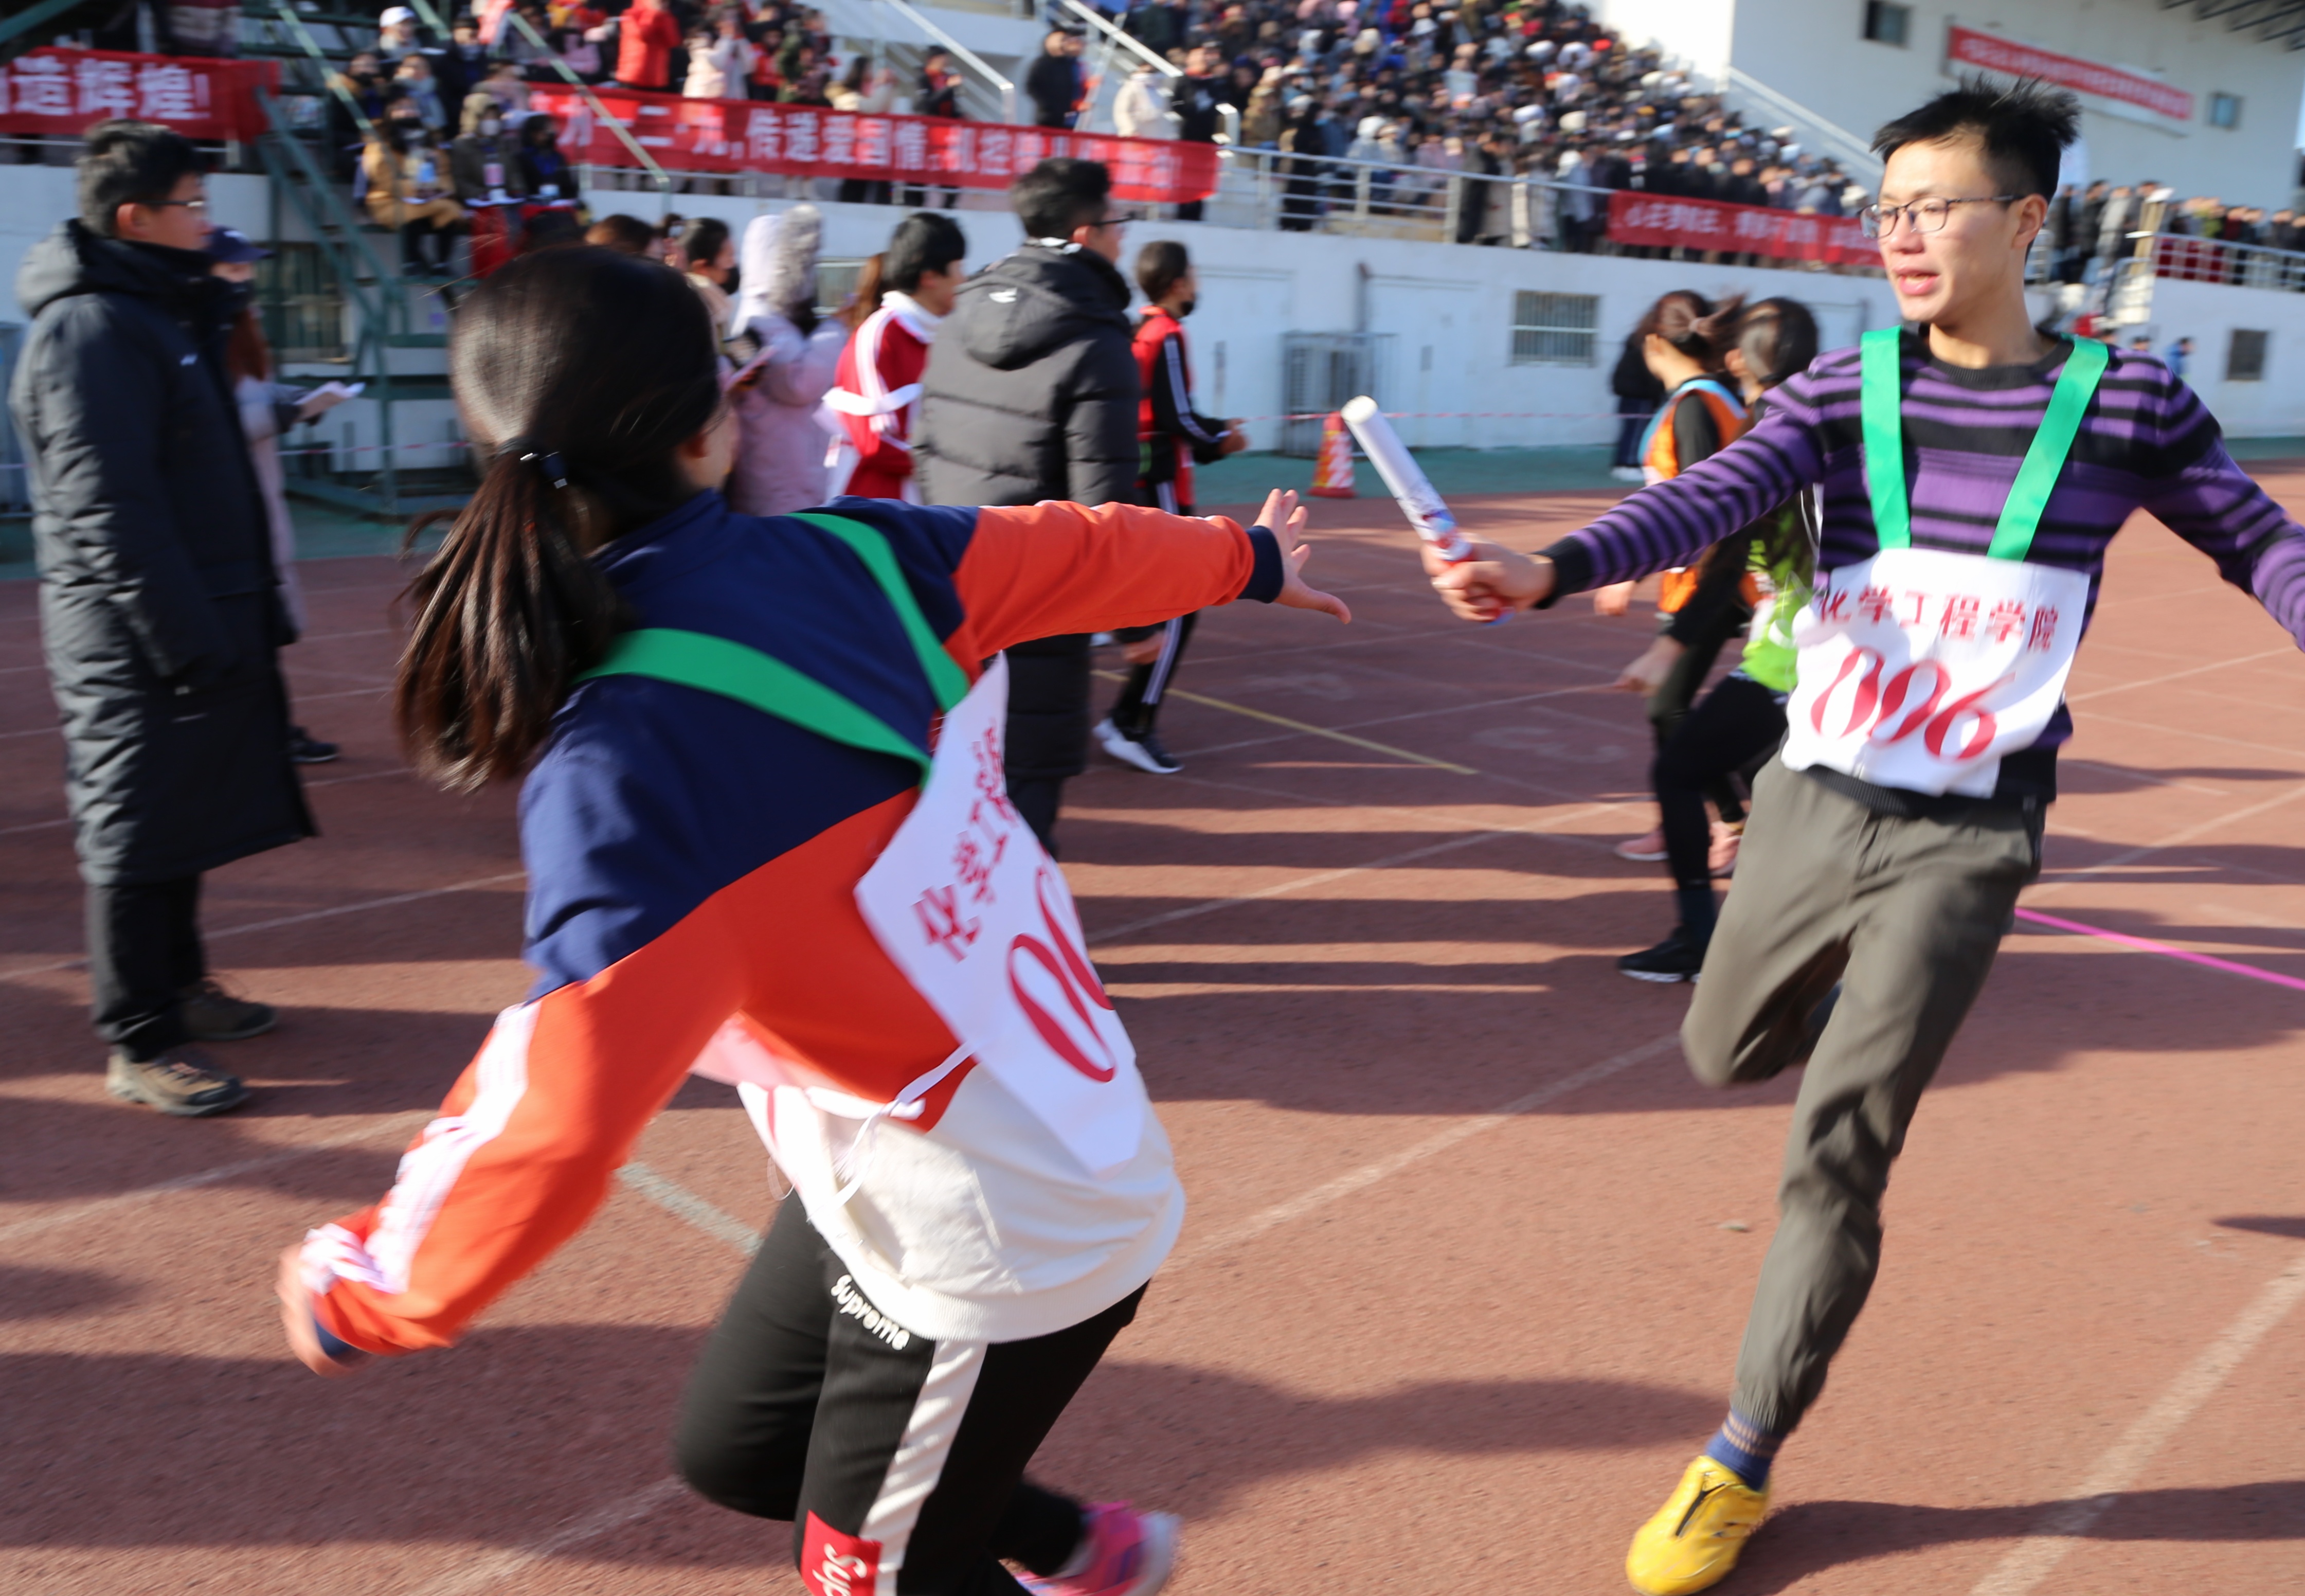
(1642, 851)
(1129, 1553)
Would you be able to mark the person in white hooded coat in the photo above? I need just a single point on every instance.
(786, 359)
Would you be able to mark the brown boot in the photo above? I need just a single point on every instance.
(182, 1081)
(212, 1014)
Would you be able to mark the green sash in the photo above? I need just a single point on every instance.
(1883, 402)
(735, 671)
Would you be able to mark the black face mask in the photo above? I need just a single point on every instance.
(1185, 308)
(404, 137)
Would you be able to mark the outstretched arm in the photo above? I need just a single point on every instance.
(1665, 525)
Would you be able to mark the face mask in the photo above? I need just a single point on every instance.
(1185, 309)
(490, 127)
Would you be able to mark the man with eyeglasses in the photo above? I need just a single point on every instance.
(1031, 393)
(160, 604)
(1891, 836)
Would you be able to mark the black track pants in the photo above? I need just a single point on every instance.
(143, 949)
(900, 1461)
(1730, 730)
(1140, 695)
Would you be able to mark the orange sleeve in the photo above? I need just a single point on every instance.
(523, 1150)
(1040, 570)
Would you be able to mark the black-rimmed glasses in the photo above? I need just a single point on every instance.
(1924, 215)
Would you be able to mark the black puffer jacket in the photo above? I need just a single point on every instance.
(159, 607)
(1030, 394)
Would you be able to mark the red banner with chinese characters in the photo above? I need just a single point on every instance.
(59, 92)
(1635, 217)
(740, 135)
(1995, 53)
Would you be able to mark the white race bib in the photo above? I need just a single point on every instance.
(968, 905)
(1920, 669)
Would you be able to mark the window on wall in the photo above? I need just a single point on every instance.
(2224, 110)
(2245, 356)
(1555, 330)
(1888, 23)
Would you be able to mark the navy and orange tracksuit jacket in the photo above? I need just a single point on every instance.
(692, 860)
(1170, 434)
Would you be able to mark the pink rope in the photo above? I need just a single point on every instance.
(2141, 945)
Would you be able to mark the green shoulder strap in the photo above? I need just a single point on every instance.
(2028, 495)
(1882, 404)
(948, 680)
(736, 670)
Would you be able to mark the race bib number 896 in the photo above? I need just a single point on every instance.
(1920, 669)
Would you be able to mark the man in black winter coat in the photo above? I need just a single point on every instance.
(159, 607)
(1030, 394)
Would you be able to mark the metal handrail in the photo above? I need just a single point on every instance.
(962, 53)
(1120, 36)
(287, 13)
(1855, 153)
(615, 123)
(25, 22)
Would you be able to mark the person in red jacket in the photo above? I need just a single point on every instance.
(647, 35)
(877, 386)
(1170, 437)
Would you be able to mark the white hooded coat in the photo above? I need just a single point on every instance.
(780, 444)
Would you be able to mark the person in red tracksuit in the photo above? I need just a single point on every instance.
(1172, 437)
(647, 35)
(877, 386)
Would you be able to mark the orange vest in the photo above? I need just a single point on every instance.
(1675, 588)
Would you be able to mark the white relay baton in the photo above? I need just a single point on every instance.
(1424, 507)
(1426, 511)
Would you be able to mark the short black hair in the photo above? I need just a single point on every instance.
(1158, 265)
(1059, 194)
(703, 241)
(923, 242)
(2025, 126)
(130, 163)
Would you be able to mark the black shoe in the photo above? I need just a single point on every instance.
(1675, 959)
(1141, 750)
(212, 1014)
(304, 748)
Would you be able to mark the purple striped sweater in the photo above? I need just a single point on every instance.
(2146, 442)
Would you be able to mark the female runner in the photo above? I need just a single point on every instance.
(744, 857)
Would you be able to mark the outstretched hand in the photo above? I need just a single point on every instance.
(296, 1318)
(1495, 580)
(1284, 518)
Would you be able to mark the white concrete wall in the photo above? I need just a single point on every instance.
(1815, 52)
(2207, 314)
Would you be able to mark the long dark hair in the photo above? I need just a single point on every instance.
(581, 371)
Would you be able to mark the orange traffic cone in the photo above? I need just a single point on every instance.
(1332, 472)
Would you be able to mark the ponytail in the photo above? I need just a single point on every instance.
(583, 371)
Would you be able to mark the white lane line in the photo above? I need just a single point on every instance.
(393, 1126)
(2176, 840)
(299, 919)
(2155, 682)
(682, 1203)
(1380, 1169)
(2064, 1526)
(485, 1571)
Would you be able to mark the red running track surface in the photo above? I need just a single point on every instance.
(1468, 1253)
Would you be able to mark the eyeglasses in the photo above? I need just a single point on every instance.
(1924, 215)
(187, 204)
(1118, 219)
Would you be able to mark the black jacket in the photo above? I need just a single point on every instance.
(1053, 84)
(159, 607)
(1031, 393)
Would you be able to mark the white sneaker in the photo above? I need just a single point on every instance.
(1144, 751)
(1626, 474)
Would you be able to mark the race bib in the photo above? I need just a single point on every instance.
(1920, 669)
(969, 906)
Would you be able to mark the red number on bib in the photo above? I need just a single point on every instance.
(1867, 694)
(1980, 737)
(1898, 688)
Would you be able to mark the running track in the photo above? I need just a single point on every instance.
(1467, 1254)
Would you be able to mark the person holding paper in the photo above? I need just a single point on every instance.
(767, 840)
(1971, 473)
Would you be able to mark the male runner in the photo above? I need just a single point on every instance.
(1972, 473)
(1170, 437)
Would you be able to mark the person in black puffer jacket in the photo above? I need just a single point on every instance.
(1030, 394)
(160, 608)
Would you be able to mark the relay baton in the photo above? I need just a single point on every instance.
(1426, 511)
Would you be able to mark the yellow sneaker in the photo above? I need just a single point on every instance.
(1693, 1541)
